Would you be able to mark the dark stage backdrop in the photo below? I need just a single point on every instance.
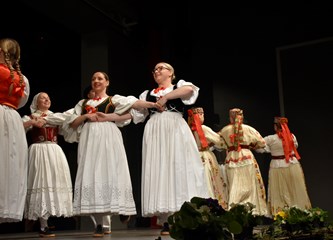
(230, 56)
(306, 94)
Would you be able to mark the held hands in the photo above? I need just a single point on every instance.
(103, 117)
(106, 117)
(38, 122)
(140, 104)
(155, 105)
(91, 117)
(160, 104)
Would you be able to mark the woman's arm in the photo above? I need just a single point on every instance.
(34, 122)
(91, 117)
(181, 92)
(139, 104)
(112, 117)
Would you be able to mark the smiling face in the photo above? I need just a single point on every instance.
(163, 73)
(43, 102)
(99, 82)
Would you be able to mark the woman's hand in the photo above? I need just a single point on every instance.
(38, 122)
(160, 104)
(103, 117)
(91, 117)
(159, 107)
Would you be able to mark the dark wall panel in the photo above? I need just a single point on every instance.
(306, 73)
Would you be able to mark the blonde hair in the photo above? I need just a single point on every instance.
(171, 69)
(236, 119)
(12, 53)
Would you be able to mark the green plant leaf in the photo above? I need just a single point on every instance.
(235, 227)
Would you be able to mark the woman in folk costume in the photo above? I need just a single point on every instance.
(172, 172)
(207, 140)
(14, 93)
(49, 181)
(103, 183)
(244, 177)
(286, 182)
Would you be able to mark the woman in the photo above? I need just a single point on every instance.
(103, 184)
(172, 172)
(286, 182)
(14, 93)
(208, 140)
(49, 180)
(244, 177)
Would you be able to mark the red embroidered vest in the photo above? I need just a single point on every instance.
(44, 134)
(10, 99)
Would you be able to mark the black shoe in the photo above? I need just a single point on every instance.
(46, 233)
(99, 231)
(124, 218)
(165, 230)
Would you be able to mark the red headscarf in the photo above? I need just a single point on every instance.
(284, 134)
(195, 125)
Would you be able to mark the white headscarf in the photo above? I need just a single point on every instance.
(34, 104)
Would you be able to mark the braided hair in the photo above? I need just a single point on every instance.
(12, 54)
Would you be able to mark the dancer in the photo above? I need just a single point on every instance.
(172, 171)
(207, 140)
(90, 94)
(49, 181)
(286, 182)
(244, 177)
(103, 184)
(14, 93)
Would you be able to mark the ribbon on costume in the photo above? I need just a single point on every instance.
(195, 126)
(90, 109)
(287, 142)
(156, 90)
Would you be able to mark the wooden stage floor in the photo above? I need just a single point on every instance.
(127, 234)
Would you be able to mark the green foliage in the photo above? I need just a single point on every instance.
(292, 223)
(205, 219)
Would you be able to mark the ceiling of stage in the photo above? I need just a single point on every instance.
(279, 24)
(89, 15)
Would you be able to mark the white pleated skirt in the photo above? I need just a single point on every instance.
(103, 182)
(50, 190)
(172, 171)
(14, 165)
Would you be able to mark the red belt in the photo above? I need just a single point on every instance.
(233, 148)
